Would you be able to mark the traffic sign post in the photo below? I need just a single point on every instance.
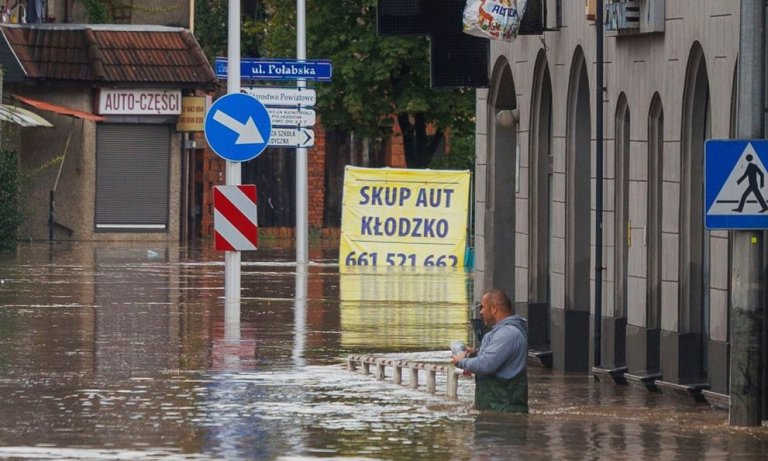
(736, 184)
(302, 175)
(232, 259)
(233, 68)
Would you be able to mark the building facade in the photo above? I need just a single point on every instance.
(114, 166)
(669, 85)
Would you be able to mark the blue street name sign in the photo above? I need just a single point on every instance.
(735, 184)
(237, 127)
(278, 69)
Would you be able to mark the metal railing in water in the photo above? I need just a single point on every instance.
(429, 370)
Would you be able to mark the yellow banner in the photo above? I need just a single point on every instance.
(398, 217)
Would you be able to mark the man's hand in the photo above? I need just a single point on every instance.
(456, 357)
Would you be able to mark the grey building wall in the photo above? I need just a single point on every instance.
(75, 192)
(42, 151)
(688, 70)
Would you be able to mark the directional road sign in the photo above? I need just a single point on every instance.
(237, 127)
(278, 69)
(736, 184)
(291, 116)
(292, 137)
(276, 96)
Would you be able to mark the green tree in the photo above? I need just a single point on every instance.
(97, 10)
(11, 211)
(211, 27)
(376, 80)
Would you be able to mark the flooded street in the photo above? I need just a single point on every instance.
(121, 351)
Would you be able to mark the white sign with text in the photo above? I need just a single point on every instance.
(144, 101)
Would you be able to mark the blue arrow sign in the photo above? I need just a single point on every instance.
(278, 69)
(736, 184)
(237, 127)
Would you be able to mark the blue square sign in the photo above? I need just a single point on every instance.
(735, 192)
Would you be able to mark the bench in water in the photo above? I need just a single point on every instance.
(693, 389)
(430, 370)
(644, 378)
(615, 373)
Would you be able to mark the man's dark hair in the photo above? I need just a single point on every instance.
(500, 298)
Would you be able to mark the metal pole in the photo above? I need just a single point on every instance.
(302, 247)
(52, 196)
(184, 214)
(746, 274)
(300, 316)
(598, 184)
(51, 207)
(232, 258)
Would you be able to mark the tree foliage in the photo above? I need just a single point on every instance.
(97, 11)
(377, 81)
(11, 211)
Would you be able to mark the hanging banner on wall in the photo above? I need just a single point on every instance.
(398, 217)
(494, 19)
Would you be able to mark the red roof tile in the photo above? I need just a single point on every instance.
(109, 53)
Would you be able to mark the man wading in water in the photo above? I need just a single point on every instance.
(501, 376)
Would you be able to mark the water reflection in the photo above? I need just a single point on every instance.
(403, 308)
(300, 316)
(128, 350)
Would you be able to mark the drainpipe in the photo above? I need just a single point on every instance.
(598, 184)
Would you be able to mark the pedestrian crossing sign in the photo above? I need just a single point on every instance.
(736, 184)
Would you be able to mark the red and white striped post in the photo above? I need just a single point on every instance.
(235, 218)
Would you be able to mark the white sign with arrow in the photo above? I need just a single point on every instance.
(292, 137)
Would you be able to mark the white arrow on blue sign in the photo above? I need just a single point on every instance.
(237, 127)
(735, 186)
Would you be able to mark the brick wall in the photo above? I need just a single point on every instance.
(214, 174)
(316, 179)
(395, 148)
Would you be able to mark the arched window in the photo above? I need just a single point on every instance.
(694, 239)
(655, 193)
(621, 201)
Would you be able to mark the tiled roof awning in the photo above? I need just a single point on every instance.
(104, 53)
(42, 105)
(22, 117)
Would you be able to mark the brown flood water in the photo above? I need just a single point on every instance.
(121, 351)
